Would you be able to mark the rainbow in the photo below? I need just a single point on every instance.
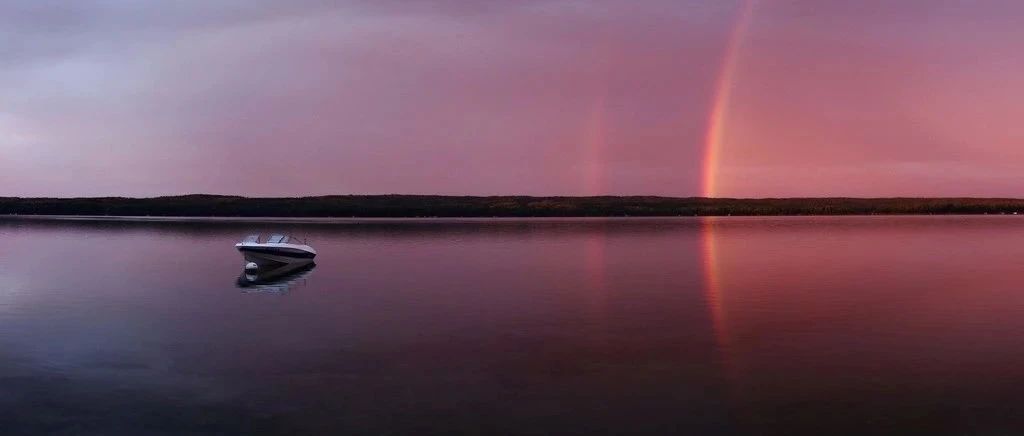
(595, 139)
(595, 130)
(713, 142)
(722, 94)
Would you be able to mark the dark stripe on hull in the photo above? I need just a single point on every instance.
(283, 252)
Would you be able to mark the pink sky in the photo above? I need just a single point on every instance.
(540, 97)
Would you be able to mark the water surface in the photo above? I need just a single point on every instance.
(858, 325)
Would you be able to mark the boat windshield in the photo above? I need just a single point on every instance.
(277, 239)
(252, 239)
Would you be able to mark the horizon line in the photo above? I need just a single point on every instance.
(693, 197)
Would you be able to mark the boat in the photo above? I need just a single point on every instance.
(274, 251)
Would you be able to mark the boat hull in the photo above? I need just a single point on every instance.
(273, 257)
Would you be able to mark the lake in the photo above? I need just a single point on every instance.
(783, 325)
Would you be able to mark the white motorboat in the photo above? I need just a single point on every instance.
(275, 251)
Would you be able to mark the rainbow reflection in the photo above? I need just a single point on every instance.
(714, 297)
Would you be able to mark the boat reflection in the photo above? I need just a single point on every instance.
(278, 280)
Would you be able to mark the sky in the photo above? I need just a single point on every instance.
(726, 98)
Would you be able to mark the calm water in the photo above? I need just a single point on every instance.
(860, 325)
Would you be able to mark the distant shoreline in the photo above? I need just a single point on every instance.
(429, 206)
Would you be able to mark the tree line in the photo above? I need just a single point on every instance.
(497, 206)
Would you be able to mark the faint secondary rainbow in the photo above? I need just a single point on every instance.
(724, 84)
(595, 139)
(595, 131)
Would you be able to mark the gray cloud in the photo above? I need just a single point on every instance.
(384, 96)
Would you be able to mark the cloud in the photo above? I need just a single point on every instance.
(265, 97)
(327, 97)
